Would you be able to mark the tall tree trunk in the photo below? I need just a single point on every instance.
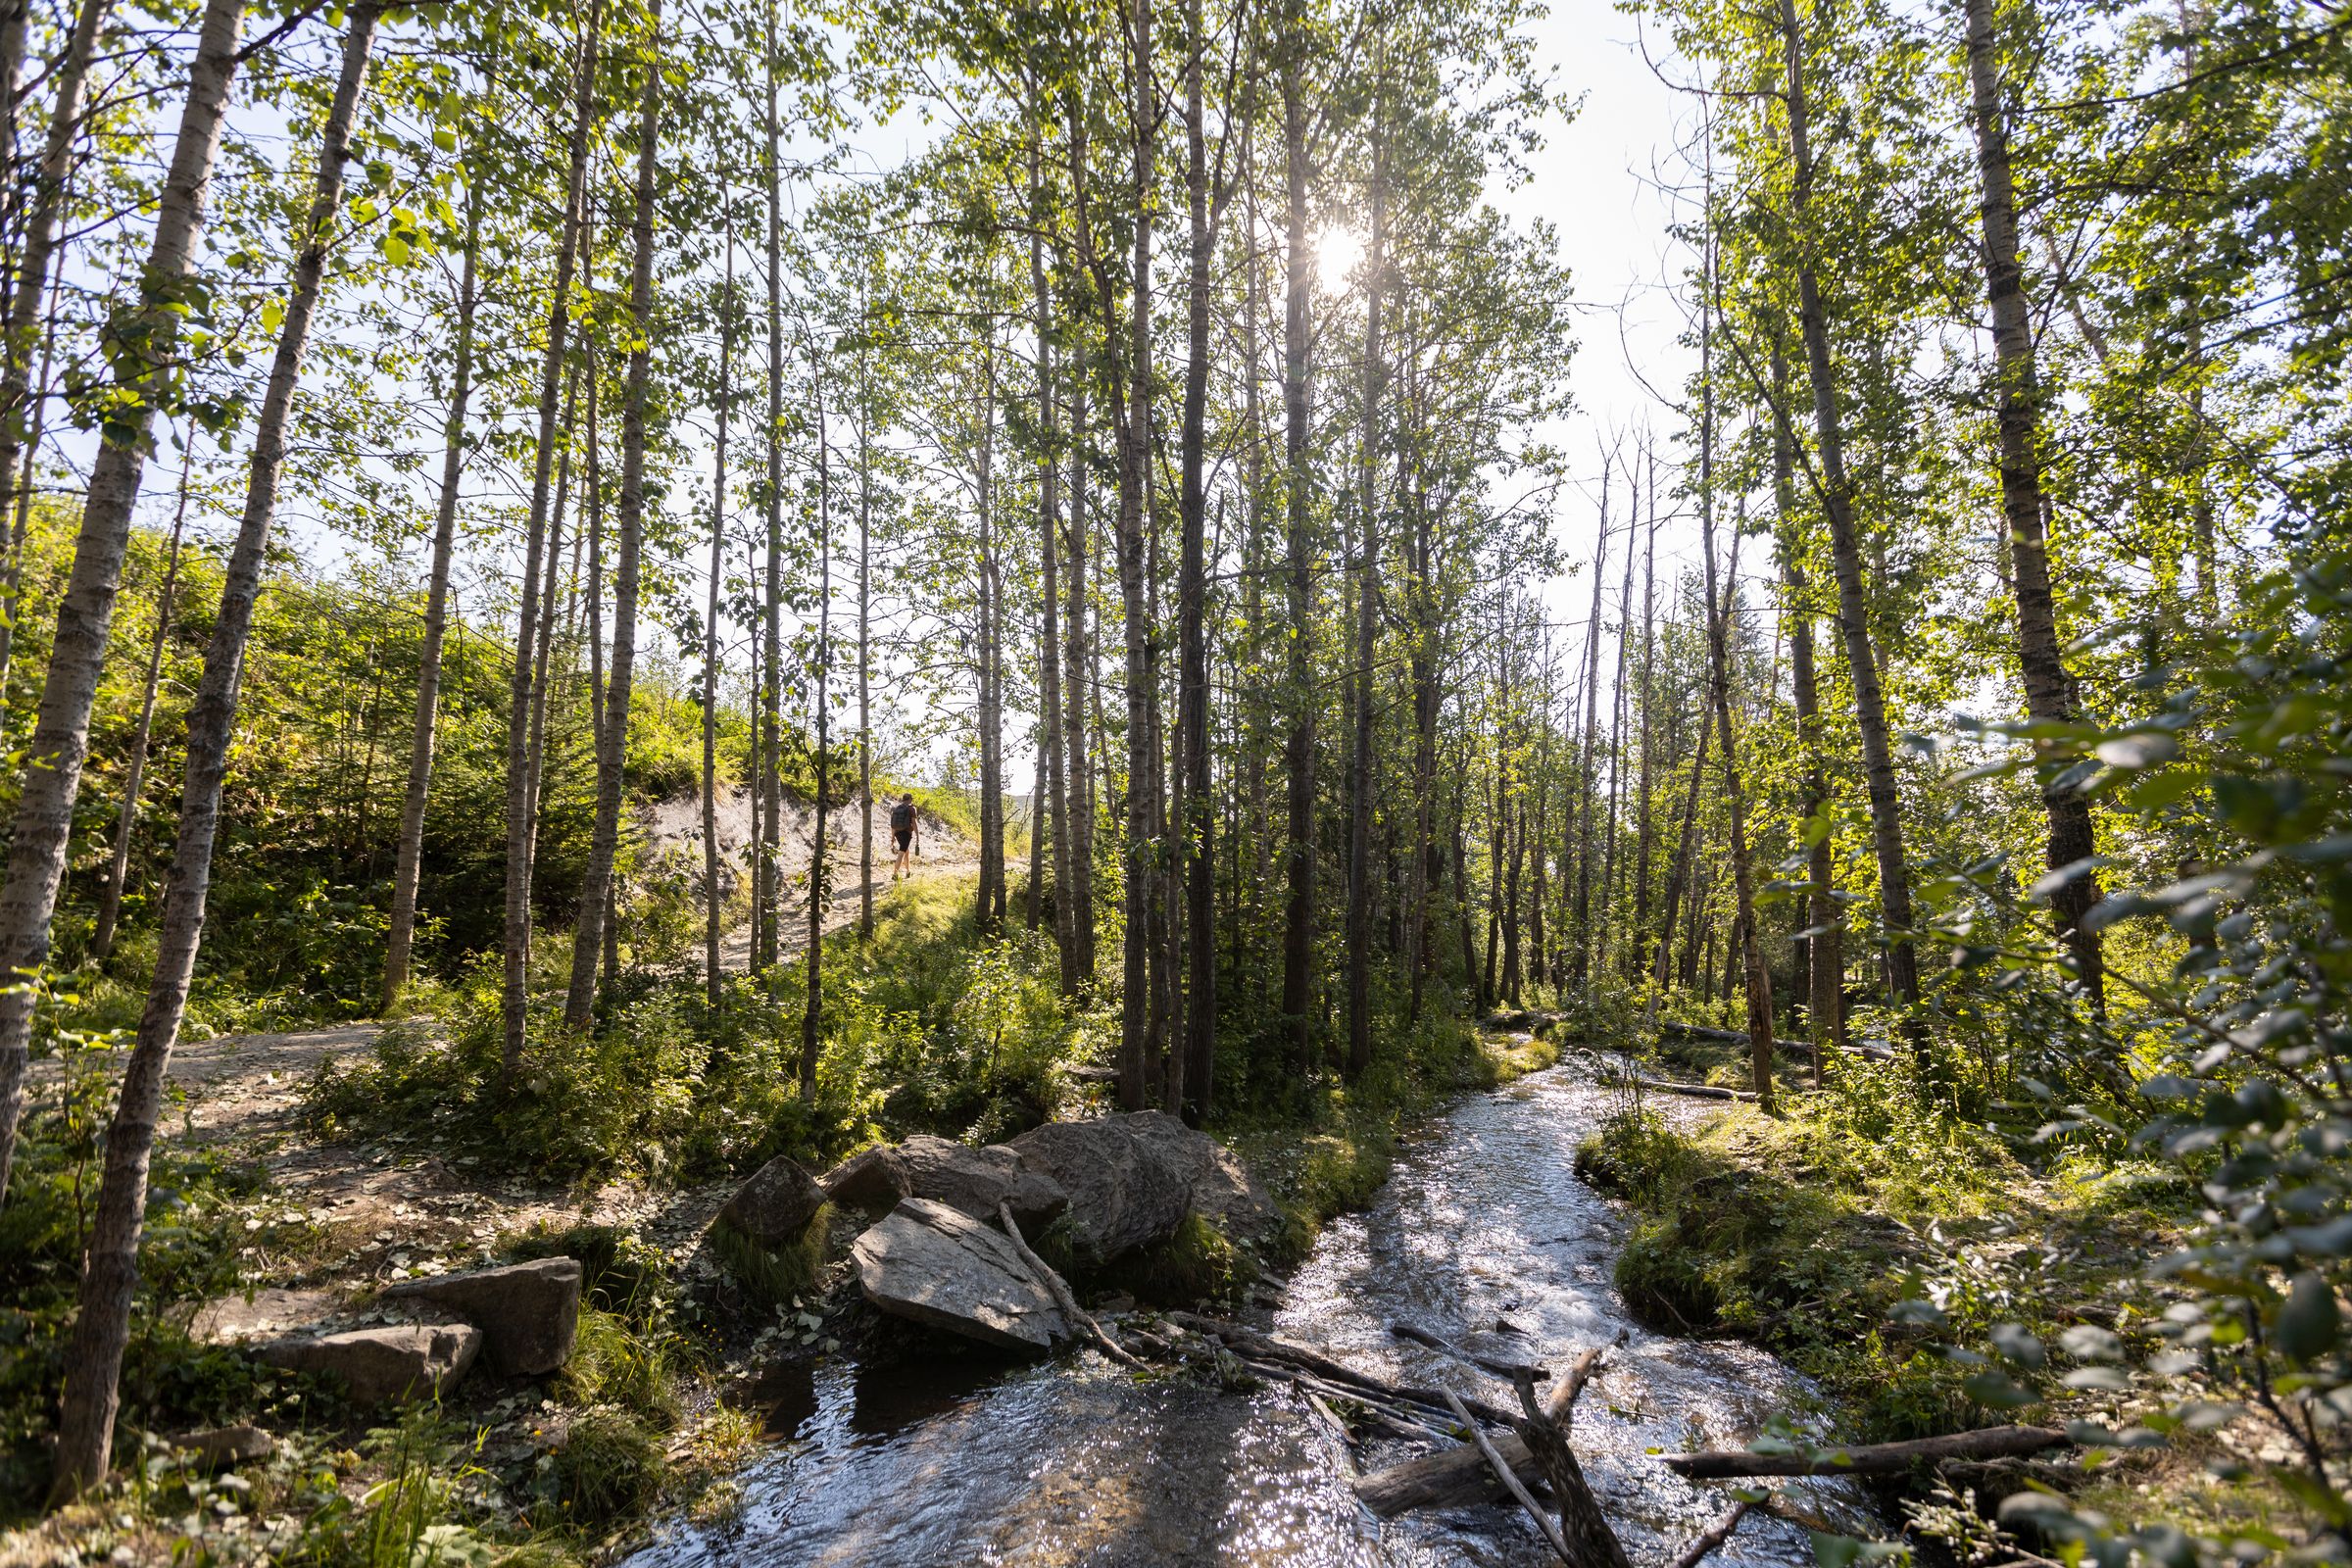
(1825, 956)
(767, 901)
(543, 658)
(1299, 752)
(1649, 561)
(148, 334)
(1195, 831)
(713, 982)
(1078, 681)
(865, 713)
(1584, 763)
(29, 287)
(111, 1266)
(411, 853)
(1048, 521)
(1367, 606)
(516, 949)
(2050, 687)
(820, 866)
(596, 886)
(1679, 874)
(1719, 659)
(990, 720)
(134, 773)
(1134, 432)
(1853, 602)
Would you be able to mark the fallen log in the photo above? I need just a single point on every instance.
(1512, 1483)
(1738, 1037)
(1591, 1542)
(1872, 1458)
(1458, 1476)
(1506, 1370)
(1667, 1086)
(1267, 1348)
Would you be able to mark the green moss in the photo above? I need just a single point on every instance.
(1795, 1232)
(1198, 1263)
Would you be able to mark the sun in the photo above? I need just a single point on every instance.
(1338, 253)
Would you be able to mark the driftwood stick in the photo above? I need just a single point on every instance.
(1063, 1296)
(1715, 1535)
(1389, 1421)
(1870, 1459)
(1665, 1086)
(1267, 1348)
(1511, 1483)
(1457, 1476)
(1505, 1370)
(1582, 1522)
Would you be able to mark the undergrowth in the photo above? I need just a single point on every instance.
(1811, 1233)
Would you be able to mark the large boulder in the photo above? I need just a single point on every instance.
(934, 1264)
(1127, 1192)
(396, 1361)
(973, 1179)
(776, 1204)
(527, 1312)
(1223, 1191)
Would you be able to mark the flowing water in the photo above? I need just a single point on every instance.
(1484, 1235)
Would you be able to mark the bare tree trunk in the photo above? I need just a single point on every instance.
(767, 900)
(1134, 430)
(411, 853)
(596, 886)
(1054, 782)
(110, 901)
(991, 911)
(1367, 596)
(543, 657)
(1679, 874)
(1854, 605)
(52, 769)
(865, 713)
(2049, 686)
(29, 287)
(517, 944)
(1649, 557)
(1719, 615)
(1078, 681)
(820, 866)
(1196, 838)
(1584, 763)
(713, 981)
(1299, 752)
(1825, 956)
(111, 1266)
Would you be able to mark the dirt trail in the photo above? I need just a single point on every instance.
(377, 1211)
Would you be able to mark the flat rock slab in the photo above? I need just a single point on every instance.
(221, 1448)
(397, 1362)
(1127, 1192)
(268, 1314)
(528, 1312)
(934, 1264)
(776, 1204)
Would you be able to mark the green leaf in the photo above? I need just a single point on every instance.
(2310, 1323)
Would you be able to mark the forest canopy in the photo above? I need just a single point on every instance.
(498, 502)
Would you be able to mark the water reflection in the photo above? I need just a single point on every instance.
(1484, 1235)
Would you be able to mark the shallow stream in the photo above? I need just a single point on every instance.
(1484, 1235)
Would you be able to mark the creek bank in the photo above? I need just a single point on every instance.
(1248, 1450)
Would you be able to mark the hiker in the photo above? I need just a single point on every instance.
(904, 829)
